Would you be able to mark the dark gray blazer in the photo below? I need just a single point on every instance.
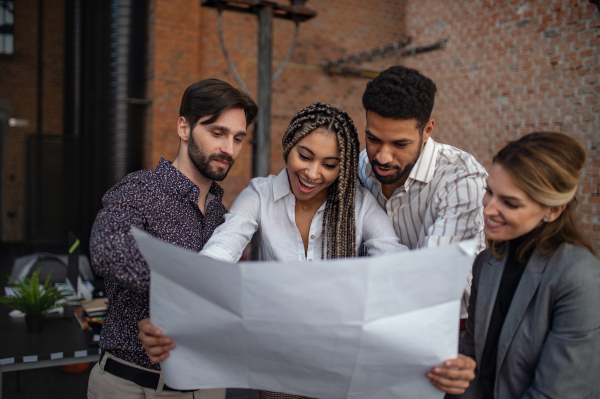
(549, 346)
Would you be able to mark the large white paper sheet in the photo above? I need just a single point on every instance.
(349, 328)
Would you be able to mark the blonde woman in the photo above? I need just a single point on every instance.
(534, 319)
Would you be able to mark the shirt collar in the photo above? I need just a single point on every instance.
(281, 185)
(423, 170)
(176, 182)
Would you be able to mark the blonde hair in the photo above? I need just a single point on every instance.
(339, 224)
(546, 166)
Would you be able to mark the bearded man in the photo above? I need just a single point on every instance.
(431, 192)
(178, 202)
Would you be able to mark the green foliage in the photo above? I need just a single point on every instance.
(30, 299)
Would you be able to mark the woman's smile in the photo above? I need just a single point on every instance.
(305, 185)
(492, 224)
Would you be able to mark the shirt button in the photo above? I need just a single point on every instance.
(391, 214)
(312, 236)
(310, 260)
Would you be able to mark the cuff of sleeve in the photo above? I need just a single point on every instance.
(218, 254)
(384, 245)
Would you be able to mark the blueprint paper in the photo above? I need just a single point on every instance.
(348, 328)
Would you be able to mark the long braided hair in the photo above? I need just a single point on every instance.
(339, 224)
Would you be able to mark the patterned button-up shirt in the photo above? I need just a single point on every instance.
(164, 203)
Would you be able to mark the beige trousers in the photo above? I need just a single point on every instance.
(104, 385)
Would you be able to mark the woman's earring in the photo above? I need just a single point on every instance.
(546, 220)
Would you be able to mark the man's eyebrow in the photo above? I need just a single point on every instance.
(401, 141)
(219, 127)
(225, 129)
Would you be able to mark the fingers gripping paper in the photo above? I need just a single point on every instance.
(349, 328)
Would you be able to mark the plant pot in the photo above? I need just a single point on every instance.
(35, 324)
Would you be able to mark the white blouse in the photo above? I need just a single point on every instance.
(268, 205)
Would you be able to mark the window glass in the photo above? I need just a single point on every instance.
(7, 26)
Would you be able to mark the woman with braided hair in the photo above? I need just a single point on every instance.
(311, 210)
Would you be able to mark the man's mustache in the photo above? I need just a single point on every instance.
(374, 162)
(221, 158)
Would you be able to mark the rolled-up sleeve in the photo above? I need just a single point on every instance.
(231, 238)
(378, 234)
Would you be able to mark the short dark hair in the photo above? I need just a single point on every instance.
(401, 93)
(213, 97)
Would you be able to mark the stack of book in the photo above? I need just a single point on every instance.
(94, 310)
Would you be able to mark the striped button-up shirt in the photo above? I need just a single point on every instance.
(441, 201)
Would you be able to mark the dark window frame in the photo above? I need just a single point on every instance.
(7, 29)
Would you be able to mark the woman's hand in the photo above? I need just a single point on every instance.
(454, 376)
(157, 347)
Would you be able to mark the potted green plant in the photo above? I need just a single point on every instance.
(33, 301)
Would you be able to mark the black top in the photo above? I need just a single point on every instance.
(164, 203)
(513, 270)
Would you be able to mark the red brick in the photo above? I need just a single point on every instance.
(589, 189)
(586, 53)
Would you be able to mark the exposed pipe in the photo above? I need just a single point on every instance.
(40, 66)
(77, 67)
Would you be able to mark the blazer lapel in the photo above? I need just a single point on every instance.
(489, 281)
(526, 290)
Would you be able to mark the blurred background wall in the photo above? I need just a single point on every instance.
(113, 72)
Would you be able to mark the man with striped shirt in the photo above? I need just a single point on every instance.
(431, 192)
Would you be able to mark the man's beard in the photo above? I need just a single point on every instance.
(400, 173)
(202, 161)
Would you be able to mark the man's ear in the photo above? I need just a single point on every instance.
(554, 212)
(427, 130)
(183, 129)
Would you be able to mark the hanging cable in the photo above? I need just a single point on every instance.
(289, 54)
(234, 72)
(224, 50)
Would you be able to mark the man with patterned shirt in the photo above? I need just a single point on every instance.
(431, 192)
(178, 202)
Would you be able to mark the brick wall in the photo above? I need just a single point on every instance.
(18, 88)
(173, 64)
(511, 68)
(341, 28)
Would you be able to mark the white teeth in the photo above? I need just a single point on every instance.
(492, 223)
(307, 184)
